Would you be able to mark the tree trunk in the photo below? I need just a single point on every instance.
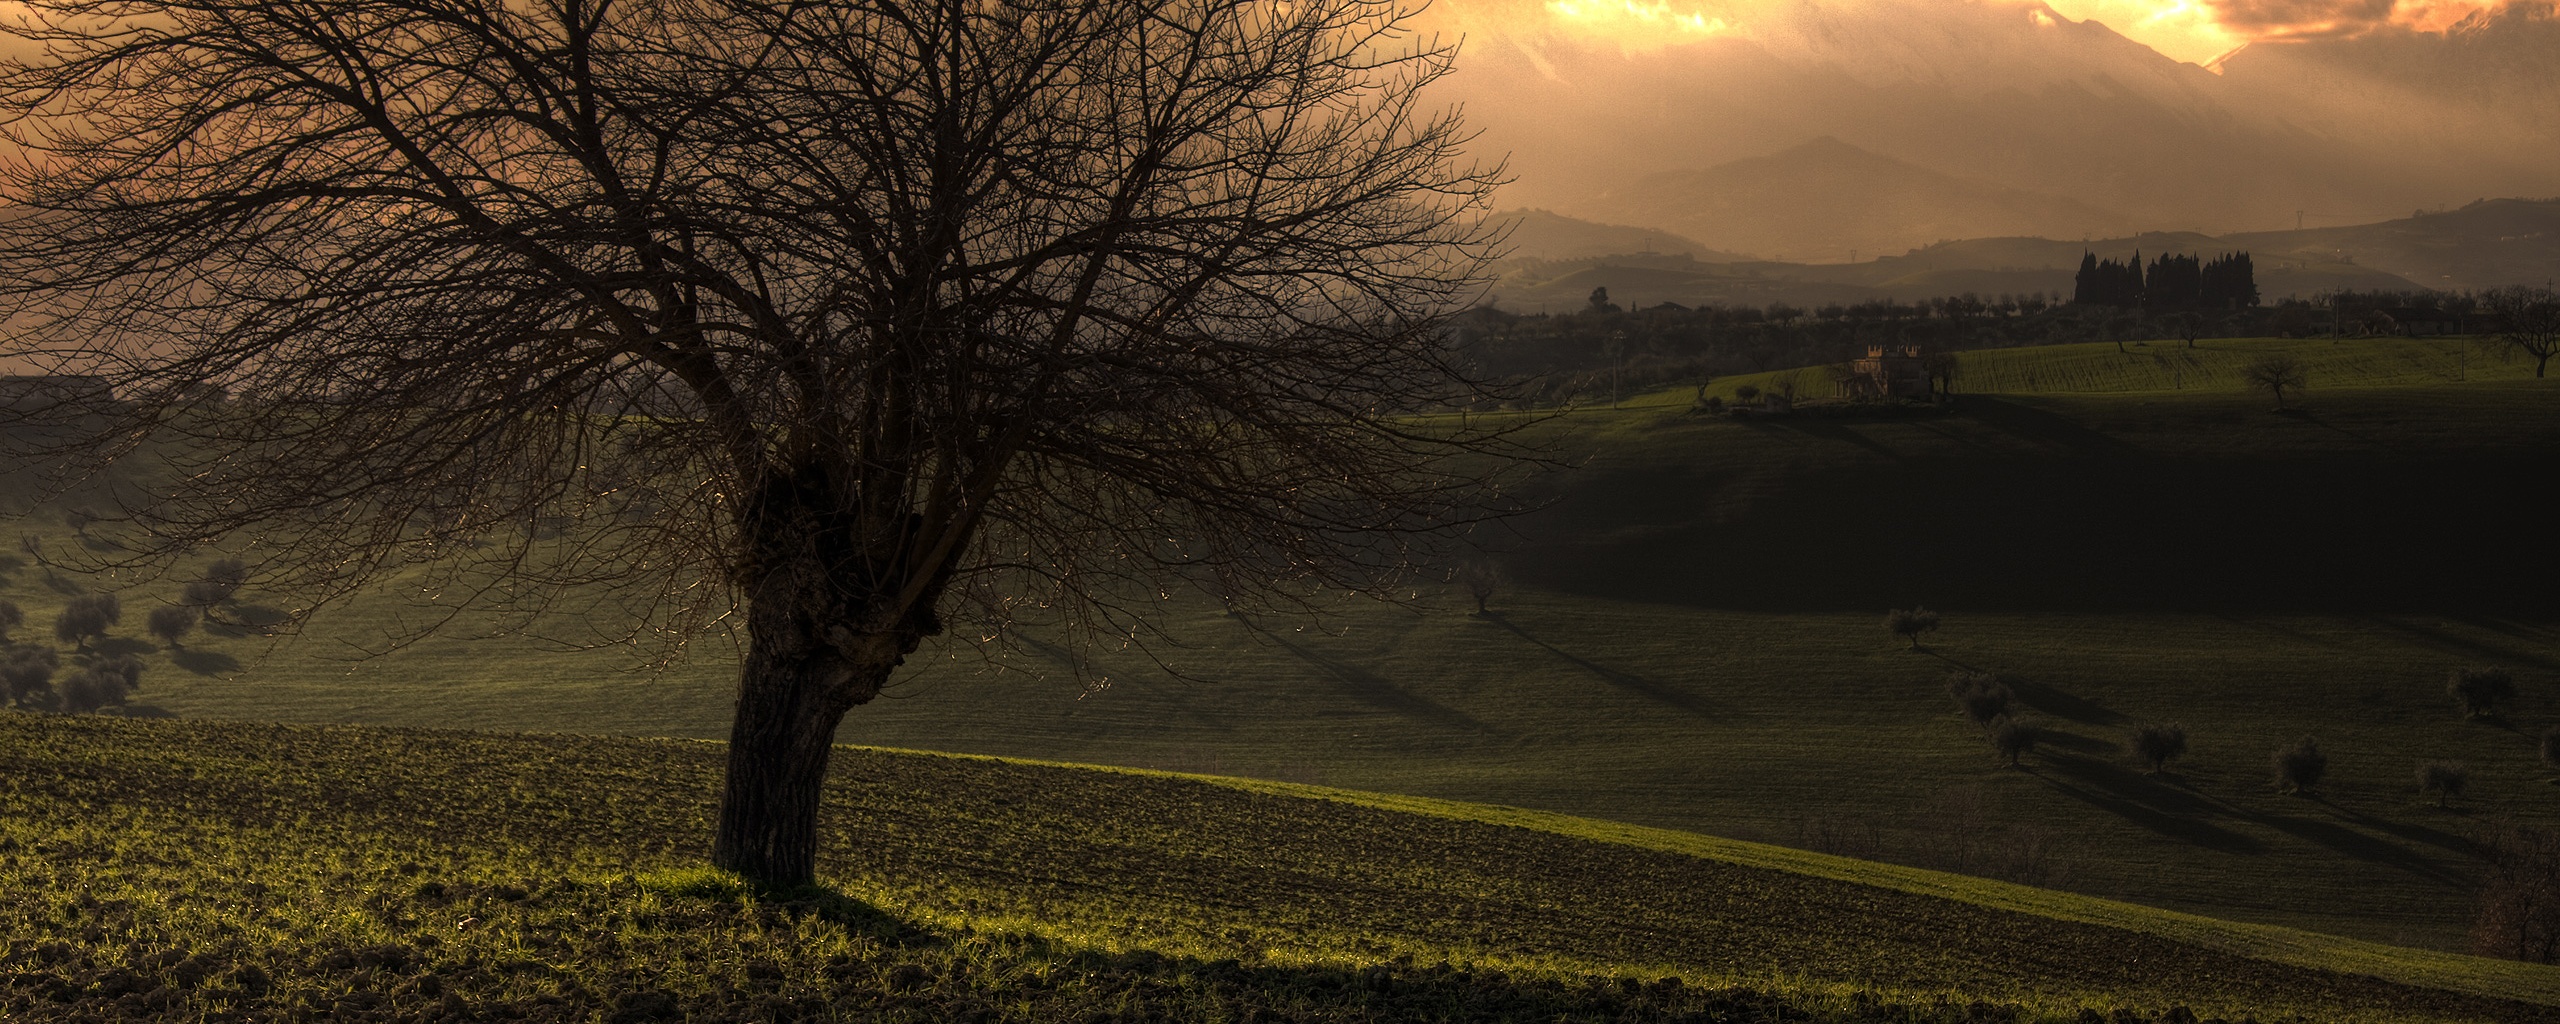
(779, 741)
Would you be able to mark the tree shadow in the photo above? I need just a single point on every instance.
(2360, 846)
(1624, 680)
(2145, 801)
(2075, 742)
(2442, 840)
(1826, 428)
(204, 663)
(1381, 693)
(2032, 424)
(2449, 643)
(118, 646)
(2051, 701)
(145, 711)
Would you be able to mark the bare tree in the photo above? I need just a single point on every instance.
(2519, 913)
(172, 622)
(2479, 691)
(2277, 373)
(2159, 744)
(1483, 577)
(1910, 623)
(2528, 321)
(2443, 780)
(2300, 766)
(826, 322)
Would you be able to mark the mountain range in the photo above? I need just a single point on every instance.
(2483, 244)
(1818, 126)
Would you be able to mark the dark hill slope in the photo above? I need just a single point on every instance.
(233, 872)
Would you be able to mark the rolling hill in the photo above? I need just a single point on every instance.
(1827, 200)
(1690, 639)
(181, 871)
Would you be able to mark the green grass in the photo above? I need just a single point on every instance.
(1692, 643)
(214, 871)
(2169, 365)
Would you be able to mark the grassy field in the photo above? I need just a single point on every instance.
(209, 871)
(1691, 642)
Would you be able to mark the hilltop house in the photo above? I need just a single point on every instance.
(1887, 372)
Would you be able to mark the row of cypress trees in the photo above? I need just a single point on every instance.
(2228, 281)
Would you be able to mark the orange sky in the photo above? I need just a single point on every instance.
(2188, 30)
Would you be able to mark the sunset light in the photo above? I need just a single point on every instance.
(2197, 31)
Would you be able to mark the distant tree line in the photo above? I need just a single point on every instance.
(1608, 349)
(2173, 282)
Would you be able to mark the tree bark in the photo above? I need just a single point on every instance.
(819, 643)
(779, 742)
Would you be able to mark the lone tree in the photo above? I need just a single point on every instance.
(2159, 744)
(1982, 697)
(221, 581)
(27, 672)
(11, 617)
(2277, 374)
(172, 622)
(2300, 765)
(1482, 578)
(87, 618)
(2443, 780)
(2014, 740)
(827, 323)
(2479, 691)
(1909, 623)
(2528, 320)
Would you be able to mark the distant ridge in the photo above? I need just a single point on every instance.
(1547, 235)
(1826, 200)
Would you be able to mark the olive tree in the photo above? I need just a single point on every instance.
(831, 324)
(2158, 744)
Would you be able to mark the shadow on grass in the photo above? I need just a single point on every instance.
(1624, 680)
(145, 711)
(118, 646)
(815, 899)
(2062, 705)
(2446, 641)
(2360, 846)
(1826, 428)
(2029, 423)
(2145, 801)
(204, 663)
(2076, 743)
(1379, 692)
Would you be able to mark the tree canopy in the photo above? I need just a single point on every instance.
(822, 322)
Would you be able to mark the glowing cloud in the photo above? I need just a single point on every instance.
(1634, 23)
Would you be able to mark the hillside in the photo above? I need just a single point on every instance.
(1827, 200)
(1690, 639)
(225, 871)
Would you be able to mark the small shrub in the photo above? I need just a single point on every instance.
(2015, 740)
(1747, 392)
(2443, 780)
(172, 622)
(2479, 691)
(2160, 743)
(1910, 623)
(1980, 695)
(2300, 765)
(86, 618)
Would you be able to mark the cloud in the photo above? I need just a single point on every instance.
(2299, 19)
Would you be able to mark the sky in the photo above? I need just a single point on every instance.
(2196, 31)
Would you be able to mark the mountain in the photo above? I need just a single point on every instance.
(2019, 97)
(1546, 235)
(2484, 244)
(1829, 200)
